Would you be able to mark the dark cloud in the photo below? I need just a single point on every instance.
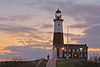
(46, 5)
(71, 8)
(36, 36)
(94, 31)
(17, 17)
(79, 26)
(32, 30)
(29, 52)
(22, 17)
(6, 19)
(72, 37)
(16, 28)
(91, 37)
(46, 26)
(27, 35)
(89, 13)
(86, 12)
(69, 34)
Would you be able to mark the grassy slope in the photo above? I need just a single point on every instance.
(64, 63)
(43, 63)
(28, 64)
(23, 64)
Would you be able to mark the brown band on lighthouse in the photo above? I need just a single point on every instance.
(58, 39)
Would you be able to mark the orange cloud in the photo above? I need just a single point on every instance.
(43, 47)
(2, 52)
(5, 60)
(2, 60)
(50, 48)
(94, 49)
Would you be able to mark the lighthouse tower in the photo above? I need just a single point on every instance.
(58, 41)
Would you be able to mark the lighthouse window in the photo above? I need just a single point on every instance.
(58, 24)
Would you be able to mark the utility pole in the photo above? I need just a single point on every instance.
(67, 43)
(67, 34)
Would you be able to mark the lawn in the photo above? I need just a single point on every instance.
(23, 63)
(76, 63)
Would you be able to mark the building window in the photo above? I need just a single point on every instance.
(73, 50)
(65, 50)
(84, 50)
(77, 50)
(65, 55)
(69, 50)
(69, 55)
(85, 55)
(81, 55)
(81, 49)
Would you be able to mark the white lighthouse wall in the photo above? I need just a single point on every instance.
(58, 27)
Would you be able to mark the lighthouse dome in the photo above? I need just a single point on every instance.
(58, 11)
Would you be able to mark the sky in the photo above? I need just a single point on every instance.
(26, 26)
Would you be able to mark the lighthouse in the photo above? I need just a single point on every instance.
(66, 51)
(58, 41)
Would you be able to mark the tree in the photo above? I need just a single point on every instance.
(18, 59)
(95, 58)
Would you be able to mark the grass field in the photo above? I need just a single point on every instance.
(60, 63)
(23, 63)
(76, 63)
(43, 63)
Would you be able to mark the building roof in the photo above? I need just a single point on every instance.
(76, 45)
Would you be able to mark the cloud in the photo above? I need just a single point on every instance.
(16, 28)
(84, 13)
(94, 49)
(38, 37)
(25, 35)
(91, 37)
(89, 2)
(3, 51)
(79, 26)
(29, 52)
(33, 51)
(22, 17)
(6, 19)
(93, 31)
(70, 8)
(80, 12)
(45, 26)
(17, 17)
(73, 8)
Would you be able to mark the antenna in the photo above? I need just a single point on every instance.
(67, 43)
(67, 35)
